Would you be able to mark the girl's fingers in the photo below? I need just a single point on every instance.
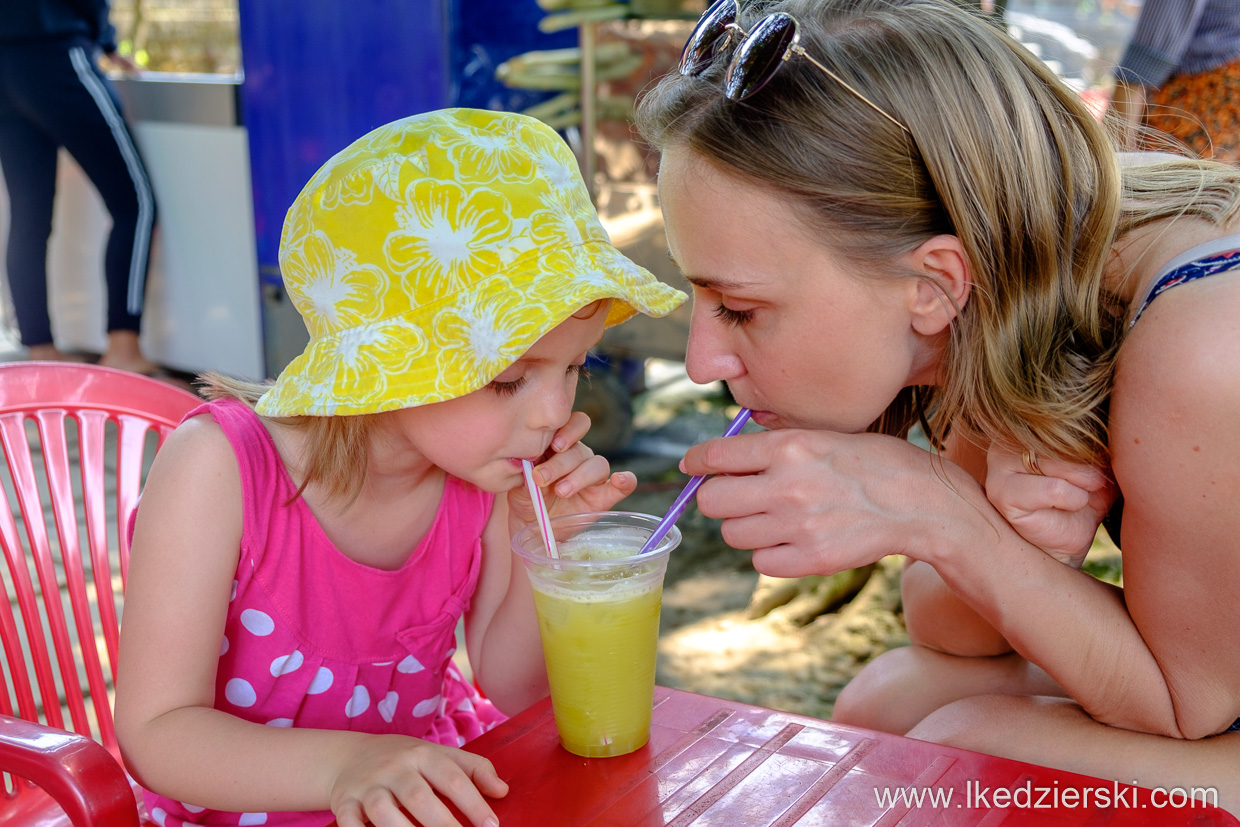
(604, 497)
(383, 811)
(349, 815)
(570, 464)
(482, 773)
(571, 432)
(453, 782)
(591, 472)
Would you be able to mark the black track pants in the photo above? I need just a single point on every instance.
(52, 94)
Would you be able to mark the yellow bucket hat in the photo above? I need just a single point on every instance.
(427, 256)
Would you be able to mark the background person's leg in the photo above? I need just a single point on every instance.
(28, 156)
(100, 141)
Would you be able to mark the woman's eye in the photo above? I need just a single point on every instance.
(579, 370)
(507, 388)
(735, 318)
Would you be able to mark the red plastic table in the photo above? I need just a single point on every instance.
(717, 762)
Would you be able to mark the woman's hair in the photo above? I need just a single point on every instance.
(999, 153)
(1165, 187)
(335, 448)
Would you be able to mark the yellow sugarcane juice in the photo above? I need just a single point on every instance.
(598, 613)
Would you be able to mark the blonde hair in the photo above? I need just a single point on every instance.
(336, 449)
(999, 153)
(1170, 188)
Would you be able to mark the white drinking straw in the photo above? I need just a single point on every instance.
(540, 508)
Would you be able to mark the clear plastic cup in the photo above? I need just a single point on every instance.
(598, 611)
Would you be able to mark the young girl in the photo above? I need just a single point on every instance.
(304, 552)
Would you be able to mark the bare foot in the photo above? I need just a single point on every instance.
(123, 353)
(133, 365)
(49, 353)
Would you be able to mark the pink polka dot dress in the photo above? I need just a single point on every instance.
(315, 639)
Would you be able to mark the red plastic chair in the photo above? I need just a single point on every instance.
(54, 771)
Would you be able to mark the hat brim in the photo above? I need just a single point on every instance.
(462, 342)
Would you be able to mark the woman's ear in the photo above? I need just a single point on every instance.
(943, 283)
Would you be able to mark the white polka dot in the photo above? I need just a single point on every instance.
(460, 740)
(280, 722)
(426, 707)
(158, 815)
(232, 595)
(239, 692)
(258, 623)
(387, 706)
(385, 663)
(287, 663)
(223, 647)
(193, 808)
(409, 665)
(466, 705)
(252, 818)
(322, 681)
(359, 703)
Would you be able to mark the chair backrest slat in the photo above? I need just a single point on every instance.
(55, 448)
(38, 552)
(91, 450)
(130, 454)
(58, 622)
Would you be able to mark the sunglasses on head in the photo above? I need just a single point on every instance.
(758, 57)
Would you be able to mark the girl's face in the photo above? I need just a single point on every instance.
(797, 334)
(483, 436)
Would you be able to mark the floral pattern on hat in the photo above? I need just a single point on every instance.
(431, 253)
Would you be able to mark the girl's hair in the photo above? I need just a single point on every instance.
(336, 448)
(999, 153)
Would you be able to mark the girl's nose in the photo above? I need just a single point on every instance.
(709, 355)
(553, 406)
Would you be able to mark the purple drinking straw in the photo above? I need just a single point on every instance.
(678, 507)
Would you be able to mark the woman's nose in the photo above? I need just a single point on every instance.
(709, 355)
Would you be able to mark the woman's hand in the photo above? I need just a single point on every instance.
(574, 479)
(389, 778)
(1058, 510)
(818, 502)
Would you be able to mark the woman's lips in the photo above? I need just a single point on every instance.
(766, 419)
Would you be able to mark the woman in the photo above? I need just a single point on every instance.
(910, 218)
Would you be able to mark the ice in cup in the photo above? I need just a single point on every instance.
(598, 611)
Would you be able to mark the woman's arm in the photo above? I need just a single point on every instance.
(1176, 455)
(1159, 656)
(935, 616)
(185, 551)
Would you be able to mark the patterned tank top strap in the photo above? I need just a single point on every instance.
(1217, 261)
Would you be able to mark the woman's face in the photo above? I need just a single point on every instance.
(799, 335)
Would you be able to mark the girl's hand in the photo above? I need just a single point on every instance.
(1058, 510)
(391, 773)
(574, 479)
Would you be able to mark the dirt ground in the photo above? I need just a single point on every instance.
(802, 641)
